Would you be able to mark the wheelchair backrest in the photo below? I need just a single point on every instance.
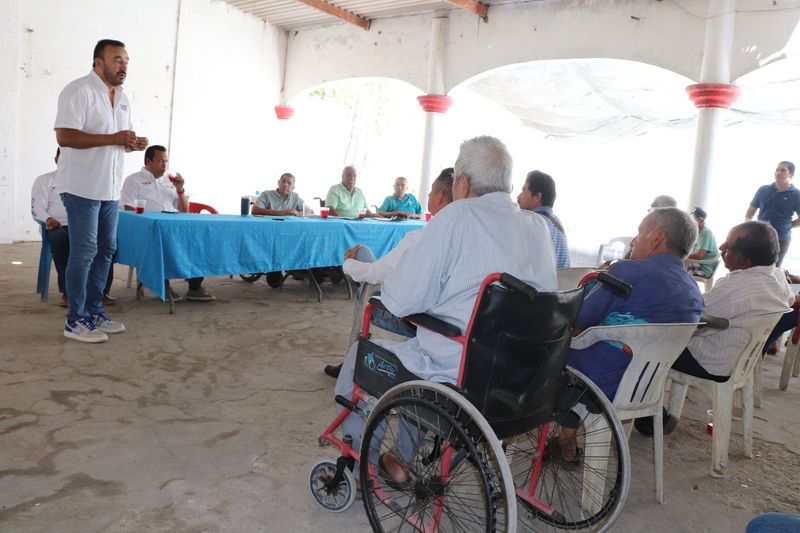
(517, 349)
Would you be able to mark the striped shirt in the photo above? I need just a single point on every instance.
(742, 293)
(558, 237)
(441, 274)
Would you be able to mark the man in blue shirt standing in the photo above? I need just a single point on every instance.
(401, 202)
(777, 203)
(538, 195)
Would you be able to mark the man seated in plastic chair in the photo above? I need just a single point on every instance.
(47, 208)
(482, 232)
(704, 248)
(362, 267)
(662, 292)
(161, 192)
(754, 286)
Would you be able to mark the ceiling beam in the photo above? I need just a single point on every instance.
(473, 6)
(338, 12)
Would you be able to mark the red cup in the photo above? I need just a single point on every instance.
(323, 212)
(172, 177)
(427, 217)
(139, 210)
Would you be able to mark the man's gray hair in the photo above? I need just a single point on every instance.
(487, 165)
(663, 200)
(679, 227)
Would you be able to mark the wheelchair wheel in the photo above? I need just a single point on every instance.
(250, 278)
(583, 495)
(456, 476)
(338, 498)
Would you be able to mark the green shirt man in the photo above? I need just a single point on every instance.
(345, 199)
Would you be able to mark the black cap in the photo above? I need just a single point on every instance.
(699, 212)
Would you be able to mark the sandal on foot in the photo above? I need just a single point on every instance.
(387, 477)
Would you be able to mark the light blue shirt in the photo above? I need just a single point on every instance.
(560, 246)
(442, 273)
(409, 204)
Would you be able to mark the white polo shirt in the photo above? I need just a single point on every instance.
(158, 193)
(45, 202)
(93, 173)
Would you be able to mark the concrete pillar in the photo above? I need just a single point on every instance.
(434, 103)
(10, 36)
(713, 95)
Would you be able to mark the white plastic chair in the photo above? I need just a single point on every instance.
(568, 278)
(791, 363)
(758, 329)
(707, 282)
(615, 243)
(641, 392)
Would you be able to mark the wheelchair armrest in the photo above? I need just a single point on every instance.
(432, 323)
(437, 325)
(713, 322)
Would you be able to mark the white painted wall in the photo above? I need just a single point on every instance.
(227, 69)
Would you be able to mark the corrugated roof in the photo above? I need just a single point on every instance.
(291, 14)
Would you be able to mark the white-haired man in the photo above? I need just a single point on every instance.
(483, 231)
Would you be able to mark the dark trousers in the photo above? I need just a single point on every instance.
(59, 248)
(687, 364)
(787, 322)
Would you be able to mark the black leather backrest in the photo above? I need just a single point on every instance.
(516, 354)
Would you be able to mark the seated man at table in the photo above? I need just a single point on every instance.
(47, 207)
(538, 196)
(401, 203)
(362, 267)
(283, 201)
(705, 248)
(482, 232)
(345, 199)
(161, 193)
(754, 286)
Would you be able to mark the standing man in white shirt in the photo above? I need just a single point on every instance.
(161, 192)
(93, 129)
(47, 207)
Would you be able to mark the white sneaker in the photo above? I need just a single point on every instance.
(83, 330)
(104, 323)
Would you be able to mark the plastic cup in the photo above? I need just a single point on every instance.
(172, 177)
(138, 206)
(362, 213)
(427, 216)
(710, 422)
(323, 212)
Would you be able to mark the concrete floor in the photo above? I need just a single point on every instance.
(207, 420)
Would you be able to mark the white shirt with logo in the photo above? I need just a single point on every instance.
(159, 193)
(45, 201)
(93, 173)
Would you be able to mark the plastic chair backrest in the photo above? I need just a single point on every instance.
(516, 353)
(194, 207)
(626, 242)
(568, 278)
(45, 257)
(758, 328)
(655, 347)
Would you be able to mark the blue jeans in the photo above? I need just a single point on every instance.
(92, 243)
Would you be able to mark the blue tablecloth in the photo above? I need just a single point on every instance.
(180, 245)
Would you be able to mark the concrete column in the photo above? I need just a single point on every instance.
(713, 95)
(10, 36)
(434, 103)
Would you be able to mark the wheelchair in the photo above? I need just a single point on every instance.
(485, 454)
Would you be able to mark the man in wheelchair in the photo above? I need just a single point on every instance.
(483, 231)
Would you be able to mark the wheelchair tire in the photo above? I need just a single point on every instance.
(583, 496)
(250, 278)
(338, 499)
(458, 475)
